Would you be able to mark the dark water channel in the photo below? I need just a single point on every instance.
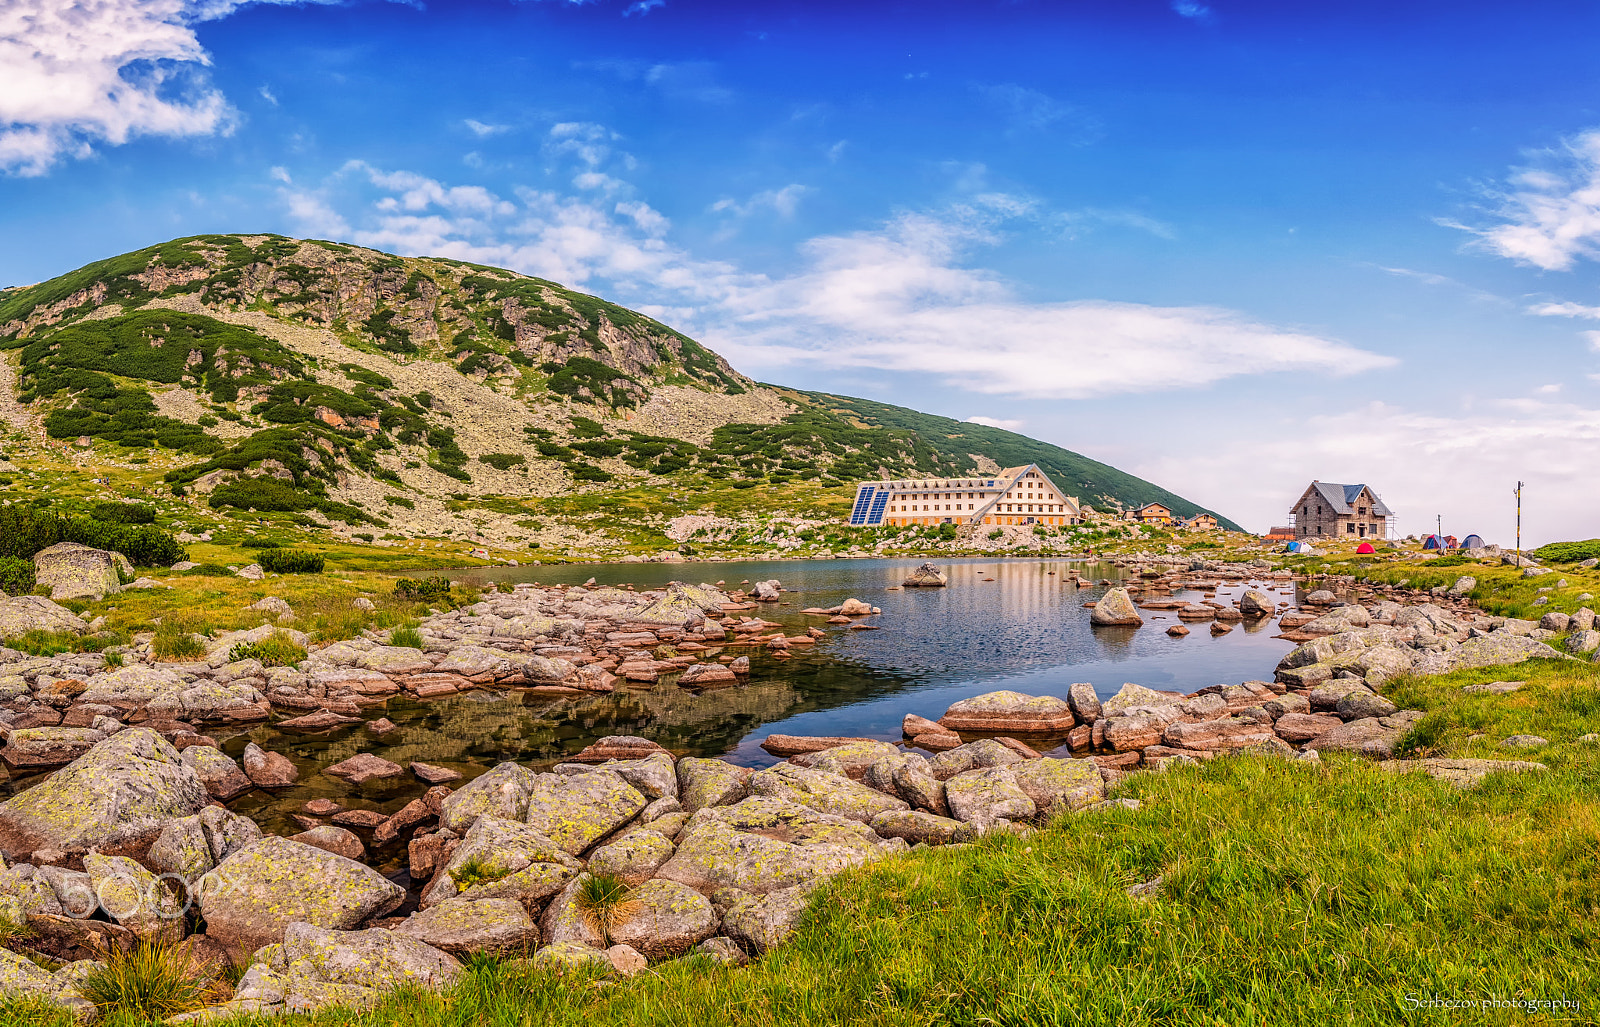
(1026, 630)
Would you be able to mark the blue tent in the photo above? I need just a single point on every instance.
(1472, 542)
(1297, 547)
(1433, 542)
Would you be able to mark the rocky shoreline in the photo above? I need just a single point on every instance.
(129, 838)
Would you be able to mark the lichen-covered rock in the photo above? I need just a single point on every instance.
(562, 920)
(511, 861)
(333, 839)
(134, 898)
(850, 759)
(577, 811)
(1115, 609)
(256, 893)
(502, 793)
(460, 926)
(22, 614)
(916, 826)
(1007, 712)
(217, 771)
(378, 959)
(21, 978)
(1056, 785)
(1255, 604)
(269, 769)
(703, 783)
(671, 919)
(574, 955)
(764, 921)
(74, 571)
(979, 755)
(1498, 647)
(635, 857)
(981, 797)
(927, 576)
(762, 845)
(1131, 696)
(181, 849)
(1362, 703)
(115, 798)
(656, 776)
(823, 791)
(908, 776)
(25, 891)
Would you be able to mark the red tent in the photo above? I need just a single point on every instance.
(1365, 547)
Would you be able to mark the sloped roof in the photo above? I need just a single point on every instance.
(1341, 498)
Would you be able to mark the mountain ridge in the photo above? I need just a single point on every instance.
(303, 378)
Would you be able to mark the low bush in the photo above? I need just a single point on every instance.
(26, 530)
(16, 575)
(501, 461)
(400, 501)
(427, 588)
(124, 513)
(291, 561)
(1568, 552)
(207, 570)
(276, 650)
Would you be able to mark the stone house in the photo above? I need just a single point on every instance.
(1327, 509)
(1014, 496)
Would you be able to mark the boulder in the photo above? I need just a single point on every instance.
(577, 811)
(21, 978)
(982, 797)
(763, 845)
(502, 793)
(22, 614)
(916, 826)
(1255, 604)
(74, 571)
(1460, 773)
(502, 859)
(655, 777)
(1360, 704)
(1058, 785)
(134, 898)
(269, 769)
(1131, 696)
(1085, 702)
(1303, 727)
(333, 839)
(1580, 642)
(703, 783)
(1372, 737)
(763, 922)
(1217, 735)
(573, 955)
(1010, 713)
(635, 857)
(926, 576)
(1496, 648)
(910, 777)
(461, 926)
(823, 791)
(364, 767)
(852, 758)
(257, 892)
(670, 919)
(377, 959)
(1115, 609)
(984, 753)
(115, 799)
(216, 770)
(702, 675)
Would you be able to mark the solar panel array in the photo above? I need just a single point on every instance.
(858, 515)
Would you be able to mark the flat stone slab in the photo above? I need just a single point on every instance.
(430, 774)
(364, 767)
(1494, 687)
(1460, 773)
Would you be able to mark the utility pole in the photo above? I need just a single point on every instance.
(1519, 519)
(1438, 530)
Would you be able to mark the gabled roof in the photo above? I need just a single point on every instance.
(1342, 497)
(1149, 505)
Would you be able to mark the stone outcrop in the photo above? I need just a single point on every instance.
(1115, 609)
(73, 571)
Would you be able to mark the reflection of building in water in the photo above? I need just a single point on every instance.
(1016, 495)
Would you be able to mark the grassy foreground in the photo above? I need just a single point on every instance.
(1289, 894)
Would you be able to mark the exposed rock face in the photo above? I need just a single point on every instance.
(376, 959)
(502, 792)
(115, 799)
(1059, 785)
(916, 826)
(982, 797)
(269, 769)
(22, 614)
(703, 783)
(927, 576)
(764, 921)
(1460, 773)
(1010, 713)
(635, 857)
(73, 571)
(24, 979)
(256, 893)
(672, 919)
(577, 811)
(823, 791)
(217, 771)
(979, 755)
(514, 861)
(762, 845)
(461, 926)
(1115, 609)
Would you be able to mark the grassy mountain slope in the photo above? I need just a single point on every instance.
(313, 386)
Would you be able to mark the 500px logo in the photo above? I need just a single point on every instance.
(121, 896)
(1476, 1002)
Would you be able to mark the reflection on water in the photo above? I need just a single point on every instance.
(1017, 624)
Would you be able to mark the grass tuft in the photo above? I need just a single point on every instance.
(605, 903)
(150, 983)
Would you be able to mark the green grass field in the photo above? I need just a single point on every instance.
(1290, 893)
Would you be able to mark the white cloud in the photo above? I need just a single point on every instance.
(87, 72)
(482, 129)
(643, 7)
(995, 422)
(900, 298)
(267, 95)
(783, 202)
(280, 174)
(1462, 467)
(1548, 214)
(1193, 10)
(1565, 310)
(1028, 110)
(1593, 339)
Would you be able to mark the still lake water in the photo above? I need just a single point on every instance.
(1025, 630)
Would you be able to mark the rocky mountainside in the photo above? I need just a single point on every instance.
(330, 386)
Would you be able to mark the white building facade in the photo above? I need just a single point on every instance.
(1015, 496)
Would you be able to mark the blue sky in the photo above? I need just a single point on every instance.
(1228, 246)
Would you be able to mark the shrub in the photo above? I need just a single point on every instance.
(501, 461)
(996, 533)
(290, 561)
(407, 638)
(427, 588)
(24, 531)
(124, 513)
(148, 983)
(16, 575)
(400, 501)
(1566, 552)
(276, 650)
(262, 494)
